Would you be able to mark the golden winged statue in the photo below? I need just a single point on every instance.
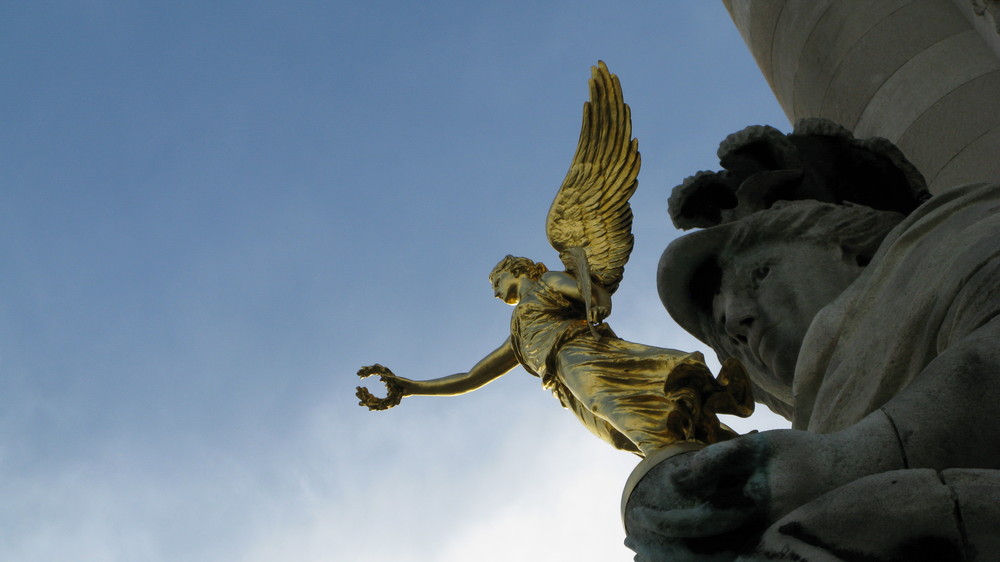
(637, 397)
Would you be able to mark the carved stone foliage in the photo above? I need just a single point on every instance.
(818, 160)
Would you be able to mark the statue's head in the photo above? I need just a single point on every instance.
(781, 243)
(751, 288)
(506, 275)
(517, 267)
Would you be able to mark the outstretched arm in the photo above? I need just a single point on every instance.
(500, 361)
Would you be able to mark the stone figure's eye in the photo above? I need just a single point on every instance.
(759, 275)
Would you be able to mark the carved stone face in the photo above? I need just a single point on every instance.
(768, 296)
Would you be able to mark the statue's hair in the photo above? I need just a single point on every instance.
(857, 229)
(519, 266)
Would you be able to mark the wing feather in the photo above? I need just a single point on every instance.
(591, 209)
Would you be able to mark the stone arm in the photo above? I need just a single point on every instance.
(498, 363)
(944, 418)
(735, 489)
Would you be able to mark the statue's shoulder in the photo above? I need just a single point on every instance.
(561, 283)
(962, 204)
(558, 279)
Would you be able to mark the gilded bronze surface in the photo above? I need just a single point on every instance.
(636, 397)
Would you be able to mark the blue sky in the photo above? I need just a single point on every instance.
(213, 213)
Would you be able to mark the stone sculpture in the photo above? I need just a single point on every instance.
(637, 397)
(988, 8)
(866, 312)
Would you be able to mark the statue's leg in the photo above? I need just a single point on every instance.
(622, 382)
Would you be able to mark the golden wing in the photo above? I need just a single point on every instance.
(591, 215)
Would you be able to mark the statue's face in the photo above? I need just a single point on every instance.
(768, 297)
(506, 287)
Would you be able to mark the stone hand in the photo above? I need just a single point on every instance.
(721, 498)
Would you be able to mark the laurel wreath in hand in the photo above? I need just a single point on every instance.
(395, 392)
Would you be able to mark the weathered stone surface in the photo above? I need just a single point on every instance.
(951, 124)
(977, 493)
(903, 35)
(907, 93)
(897, 69)
(985, 17)
(860, 521)
(877, 332)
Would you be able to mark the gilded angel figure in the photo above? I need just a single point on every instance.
(637, 397)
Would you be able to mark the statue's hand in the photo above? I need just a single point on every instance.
(397, 387)
(598, 314)
(732, 491)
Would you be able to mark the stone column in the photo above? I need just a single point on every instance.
(924, 74)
